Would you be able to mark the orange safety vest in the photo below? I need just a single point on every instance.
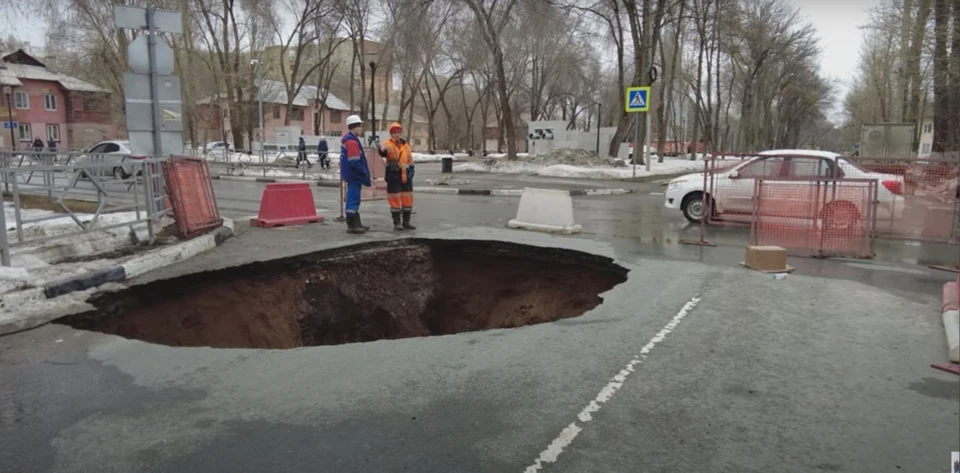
(402, 154)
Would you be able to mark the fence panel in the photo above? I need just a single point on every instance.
(191, 195)
(919, 199)
(818, 217)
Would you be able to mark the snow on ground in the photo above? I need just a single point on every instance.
(432, 158)
(668, 166)
(504, 155)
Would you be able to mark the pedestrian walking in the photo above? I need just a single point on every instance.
(302, 152)
(52, 149)
(398, 158)
(322, 153)
(355, 172)
(37, 144)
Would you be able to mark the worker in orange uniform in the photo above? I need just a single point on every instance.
(398, 158)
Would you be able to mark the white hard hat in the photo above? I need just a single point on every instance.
(354, 120)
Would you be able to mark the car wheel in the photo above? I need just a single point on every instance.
(119, 173)
(694, 207)
(841, 216)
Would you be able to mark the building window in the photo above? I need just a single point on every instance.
(22, 100)
(49, 102)
(928, 127)
(276, 112)
(335, 134)
(296, 114)
(24, 129)
(335, 116)
(53, 132)
(925, 148)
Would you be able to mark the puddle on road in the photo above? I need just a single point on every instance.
(383, 290)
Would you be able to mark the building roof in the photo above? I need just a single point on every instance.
(275, 92)
(20, 65)
(393, 113)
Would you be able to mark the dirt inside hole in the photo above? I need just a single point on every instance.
(400, 289)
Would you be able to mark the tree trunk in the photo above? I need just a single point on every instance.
(913, 63)
(941, 80)
(902, 79)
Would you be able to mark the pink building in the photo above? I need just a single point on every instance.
(52, 106)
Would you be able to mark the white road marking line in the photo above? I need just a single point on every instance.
(570, 432)
(657, 193)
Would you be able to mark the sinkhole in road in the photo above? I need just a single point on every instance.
(383, 290)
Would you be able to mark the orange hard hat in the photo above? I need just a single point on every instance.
(395, 126)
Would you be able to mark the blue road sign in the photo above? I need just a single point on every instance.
(9, 125)
(638, 99)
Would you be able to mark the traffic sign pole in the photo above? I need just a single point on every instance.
(636, 139)
(646, 145)
(154, 85)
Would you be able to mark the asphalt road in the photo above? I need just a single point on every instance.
(692, 364)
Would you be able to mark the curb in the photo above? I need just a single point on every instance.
(432, 190)
(514, 192)
(270, 180)
(128, 270)
(951, 318)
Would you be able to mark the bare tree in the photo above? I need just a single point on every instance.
(491, 19)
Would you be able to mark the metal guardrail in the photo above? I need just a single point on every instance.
(139, 188)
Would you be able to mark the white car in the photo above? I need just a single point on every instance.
(116, 152)
(735, 187)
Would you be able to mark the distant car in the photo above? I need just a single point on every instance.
(116, 152)
(218, 146)
(686, 193)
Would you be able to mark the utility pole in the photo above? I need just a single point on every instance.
(599, 106)
(373, 100)
(260, 106)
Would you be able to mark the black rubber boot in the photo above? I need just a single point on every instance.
(396, 220)
(353, 225)
(406, 220)
(361, 225)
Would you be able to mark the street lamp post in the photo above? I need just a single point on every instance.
(599, 106)
(260, 104)
(373, 100)
(8, 91)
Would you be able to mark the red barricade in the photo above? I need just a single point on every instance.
(286, 204)
(190, 193)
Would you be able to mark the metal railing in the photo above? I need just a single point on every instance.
(114, 184)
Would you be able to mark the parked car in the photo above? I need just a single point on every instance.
(116, 152)
(218, 146)
(686, 193)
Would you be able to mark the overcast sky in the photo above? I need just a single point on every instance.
(837, 23)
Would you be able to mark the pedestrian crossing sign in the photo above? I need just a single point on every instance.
(638, 99)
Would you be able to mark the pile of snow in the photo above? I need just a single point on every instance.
(35, 263)
(431, 158)
(614, 171)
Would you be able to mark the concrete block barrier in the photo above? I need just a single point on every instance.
(951, 325)
(545, 210)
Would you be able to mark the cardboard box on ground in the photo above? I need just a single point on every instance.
(766, 258)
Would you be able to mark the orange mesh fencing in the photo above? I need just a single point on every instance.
(919, 199)
(191, 195)
(820, 217)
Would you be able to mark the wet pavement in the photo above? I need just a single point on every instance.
(692, 361)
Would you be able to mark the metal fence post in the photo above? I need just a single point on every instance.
(4, 242)
(148, 174)
(16, 208)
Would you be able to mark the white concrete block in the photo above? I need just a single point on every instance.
(951, 325)
(545, 210)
